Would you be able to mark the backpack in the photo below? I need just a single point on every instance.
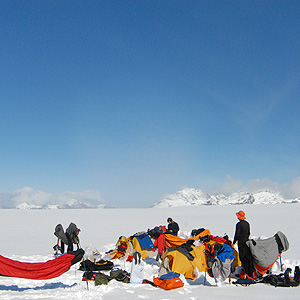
(210, 258)
(122, 249)
(156, 232)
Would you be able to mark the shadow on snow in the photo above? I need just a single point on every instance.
(47, 286)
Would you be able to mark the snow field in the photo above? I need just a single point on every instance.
(27, 235)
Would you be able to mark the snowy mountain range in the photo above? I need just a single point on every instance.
(191, 196)
(28, 198)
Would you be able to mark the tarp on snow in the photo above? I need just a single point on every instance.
(145, 241)
(265, 252)
(40, 270)
(176, 241)
(137, 246)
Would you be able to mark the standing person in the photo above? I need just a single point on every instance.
(242, 234)
(173, 227)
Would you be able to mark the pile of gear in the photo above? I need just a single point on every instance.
(202, 252)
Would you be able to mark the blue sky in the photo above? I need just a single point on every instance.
(136, 99)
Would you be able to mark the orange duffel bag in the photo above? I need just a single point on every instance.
(168, 281)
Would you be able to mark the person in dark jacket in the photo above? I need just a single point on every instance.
(242, 234)
(173, 227)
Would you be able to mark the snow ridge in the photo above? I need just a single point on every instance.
(192, 196)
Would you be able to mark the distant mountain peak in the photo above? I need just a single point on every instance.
(192, 196)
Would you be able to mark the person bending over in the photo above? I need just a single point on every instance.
(173, 227)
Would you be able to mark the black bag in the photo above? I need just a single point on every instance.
(196, 231)
(117, 274)
(101, 278)
(283, 279)
(120, 275)
(101, 265)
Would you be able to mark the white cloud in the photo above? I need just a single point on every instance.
(289, 190)
(39, 198)
(259, 184)
(230, 186)
(292, 188)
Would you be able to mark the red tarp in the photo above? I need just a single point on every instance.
(40, 270)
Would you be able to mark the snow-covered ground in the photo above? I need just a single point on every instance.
(27, 235)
